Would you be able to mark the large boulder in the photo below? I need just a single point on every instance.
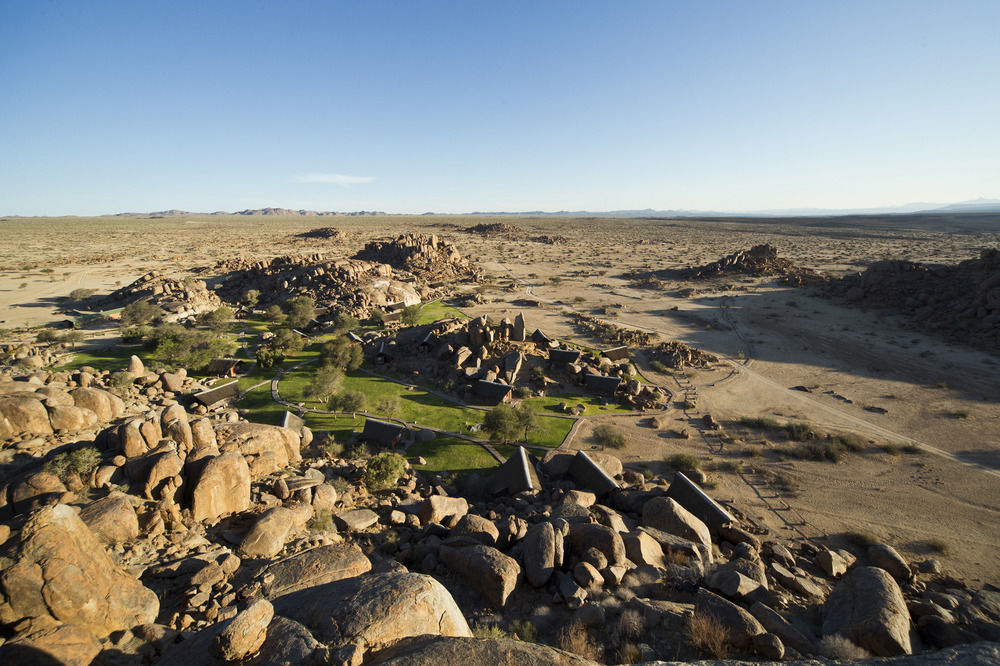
(641, 548)
(888, 558)
(223, 487)
(437, 650)
(665, 513)
(589, 535)
(375, 610)
(484, 568)
(246, 633)
(539, 553)
(739, 624)
(63, 572)
(868, 607)
(63, 645)
(436, 508)
(268, 448)
(266, 537)
(70, 417)
(23, 414)
(112, 519)
(106, 405)
(313, 567)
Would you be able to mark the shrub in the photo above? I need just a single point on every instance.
(912, 449)
(576, 639)
(274, 314)
(938, 546)
(609, 436)
(341, 485)
(136, 333)
(80, 294)
(840, 647)
(80, 461)
(47, 335)
(684, 462)
(384, 470)
(891, 449)
(121, 379)
(706, 633)
(658, 366)
(799, 431)
(322, 522)
(524, 630)
(763, 423)
(861, 539)
(140, 312)
(341, 353)
(488, 631)
(348, 401)
(410, 315)
(850, 441)
(332, 448)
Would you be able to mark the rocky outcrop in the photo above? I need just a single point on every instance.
(112, 519)
(486, 569)
(867, 607)
(63, 573)
(437, 650)
(223, 487)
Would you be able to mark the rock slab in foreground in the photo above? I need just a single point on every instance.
(867, 607)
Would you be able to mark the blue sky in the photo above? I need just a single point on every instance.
(462, 106)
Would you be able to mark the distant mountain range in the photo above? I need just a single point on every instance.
(974, 206)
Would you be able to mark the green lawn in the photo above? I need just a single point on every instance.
(340, 427)
(436, 311)
(550, 432)
(452, 455)
(109, 358)
(594, 404)
(262, 408)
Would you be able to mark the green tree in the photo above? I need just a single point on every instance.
(267, 357)
(217, 320)
(384, 470)
(502, 423)
(387, 406)
(140, 312)
(250, 297)
(47, 335)
(411, 315)
(301, 310)
(274, 314)
(72, 337)
(526, 420)
(325, 382)
(286, 341)
(342, 353)
(188, 348)
(347, 401)
(343, 322)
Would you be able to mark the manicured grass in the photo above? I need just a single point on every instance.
(262, 408)
(414, 406)
(436, 311)
(109, 358)
(451, 454)
(340, 427)
(550, 432)
(550, 404)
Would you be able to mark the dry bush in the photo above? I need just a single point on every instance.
(671, 556)
(629, 653)
(576, 639)
(836, 646)
(630, 624)
(707, 634)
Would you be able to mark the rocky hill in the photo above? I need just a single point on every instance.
(427, 257)
(960, 301)
(178, 298)
(760, 260)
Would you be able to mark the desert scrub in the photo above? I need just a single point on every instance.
(912, 449)
(939, 546)
(684, 462)
(576, 639)
(861, 539)
(384, 470)
(80, 461)
(488, 631)
(609, 436)
(322, 522)
(524, 630)
(708, 634)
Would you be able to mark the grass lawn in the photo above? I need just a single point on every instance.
(594, 404)
(415, 406)
(437, 311)
(108, 358)
(340, 427)
(550, 432)
(449, 454)
(262, 408)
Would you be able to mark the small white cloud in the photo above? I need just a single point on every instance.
(334, 178)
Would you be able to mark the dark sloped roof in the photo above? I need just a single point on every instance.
(217, 394)
(601, 383)
(492, 391)
(222, 366)
(382, 432)
(616, 353)
(564, 355)
(516, 474)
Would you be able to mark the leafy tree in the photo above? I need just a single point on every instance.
(287, 340)
(301, 311)
(343, 322)
(250, 297)
(140, 312)
(275, 314)
(72, 337)
(505, 423)
(411, 315)
(267, 357)
(349, 401)
(340, 352)
(188, 348)
(325, 382)
(47, 335)
(217, 320)
(387, 405)
(384, 470)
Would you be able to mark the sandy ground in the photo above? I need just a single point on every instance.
(769, 339)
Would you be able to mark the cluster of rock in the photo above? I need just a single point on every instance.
(609, 333)
(177, 298)
(549, 239)
(28, 355)
(960, 300)
(496, 230)
(30, 408)
(426, 257)
(325, 233)
(678, 355)
(760, 260)
(352, 286)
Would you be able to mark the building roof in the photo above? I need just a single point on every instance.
(382, 432)
(292, 422)
(493, 391)
(217, 394)
(222, 366)
(517, 474)
(602, 384)
(615, 353)
(562, 356)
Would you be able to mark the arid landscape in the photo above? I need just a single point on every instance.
(830, 382)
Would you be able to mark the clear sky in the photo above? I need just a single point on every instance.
(504, 105)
